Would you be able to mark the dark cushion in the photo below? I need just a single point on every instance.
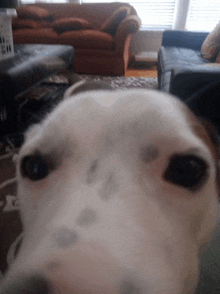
(205, 102)
(184, 39)
(184, 82)
(70, 24)
(112, 23)
(171, 57)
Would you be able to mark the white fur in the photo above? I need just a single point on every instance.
(148, 231)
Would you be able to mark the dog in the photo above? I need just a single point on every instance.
(118, 192)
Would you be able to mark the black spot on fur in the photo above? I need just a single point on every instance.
(65, 237)
(149, 153)
(109, 188)
(53, 265)
(86, 217)
(128, 287)
(91, 171)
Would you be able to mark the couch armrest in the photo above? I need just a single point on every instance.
(184, 82)
(186, 39)
(130, 25)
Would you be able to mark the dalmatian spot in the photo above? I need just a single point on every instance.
(65, 237)
(149, 153)
(128, 287)
(109, 188)
(86, 217)
(91, 172)
(53, 265)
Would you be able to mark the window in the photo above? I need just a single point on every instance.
(157, 15)
(195, 15)
(154, 14)
(203, 15)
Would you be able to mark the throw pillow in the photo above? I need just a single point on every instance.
(112, 23)
(211, 45)
(70, 24)
(28, 24)
(33, 12)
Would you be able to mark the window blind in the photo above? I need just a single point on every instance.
(203, 15)
(154, 14)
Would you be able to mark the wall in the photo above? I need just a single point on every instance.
(146, 41)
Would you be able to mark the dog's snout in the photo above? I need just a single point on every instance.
(85, 268)
(24, 284)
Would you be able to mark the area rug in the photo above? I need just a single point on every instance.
(34, 106)
(117, 82)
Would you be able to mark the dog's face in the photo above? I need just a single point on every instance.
(118, 194)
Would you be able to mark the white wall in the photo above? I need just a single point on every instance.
(145, 41)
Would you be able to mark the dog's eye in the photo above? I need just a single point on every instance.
(189, 171)
(34, 167)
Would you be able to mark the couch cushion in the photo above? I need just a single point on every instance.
(70, 24)
(32, 12)
(95, 13)
(28, 24)
(211, 45)
(87, 39)
(172, 57)
(39, 36)
(112, 23)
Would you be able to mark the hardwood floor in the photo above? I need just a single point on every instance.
(147, 72)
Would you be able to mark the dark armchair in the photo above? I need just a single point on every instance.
(182, 70)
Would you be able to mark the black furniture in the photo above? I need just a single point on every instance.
(183, 72)
(181, 67)
(28, 68)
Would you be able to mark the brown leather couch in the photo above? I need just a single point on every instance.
(101, 33)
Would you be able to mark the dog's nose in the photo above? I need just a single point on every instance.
(24, 284)
(85, 268)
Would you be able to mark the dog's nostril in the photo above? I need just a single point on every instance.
(34, 284)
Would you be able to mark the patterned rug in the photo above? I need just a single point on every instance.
(35, 104)
(115, 82)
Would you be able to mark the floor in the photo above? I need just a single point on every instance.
(149, 72)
